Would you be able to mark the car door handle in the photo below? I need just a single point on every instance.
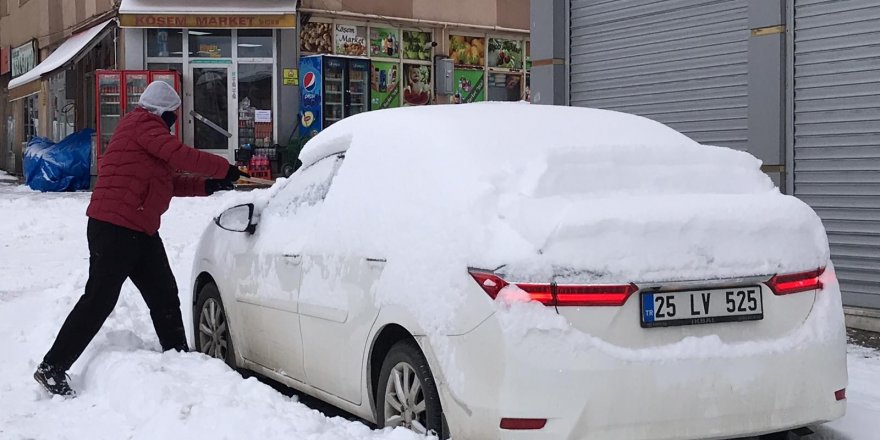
(293, 258)
(376, 262)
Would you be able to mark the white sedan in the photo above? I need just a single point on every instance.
(509, 271)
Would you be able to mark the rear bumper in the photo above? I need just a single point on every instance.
(590, 394)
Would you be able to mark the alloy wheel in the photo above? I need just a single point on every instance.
(213, 331)
(404, 400)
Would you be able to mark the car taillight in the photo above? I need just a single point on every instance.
(560, 294)
(796, 282)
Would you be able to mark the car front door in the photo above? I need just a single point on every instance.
(269, 280)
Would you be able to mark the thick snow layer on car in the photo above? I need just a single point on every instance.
(616, 196)
(571, 194)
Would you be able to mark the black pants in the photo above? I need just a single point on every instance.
(117, 253)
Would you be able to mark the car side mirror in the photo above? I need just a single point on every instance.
(237, 219)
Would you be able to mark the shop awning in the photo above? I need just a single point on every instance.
(69, 51)
(210, 14)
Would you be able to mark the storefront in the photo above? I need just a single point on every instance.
(51, 98)
(403, 58)
(228, 61)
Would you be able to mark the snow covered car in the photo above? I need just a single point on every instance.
(510, 271)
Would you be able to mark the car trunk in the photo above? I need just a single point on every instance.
(675, 243)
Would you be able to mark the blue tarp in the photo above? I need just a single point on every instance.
(59, 167)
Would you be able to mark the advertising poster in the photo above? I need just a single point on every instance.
(417, 84)
(469, 86)
(351, 40)
(310, 95)
(384, 85)
(384, 43)
(467, 51)
(507, 54)
(316, 38)
(417, 45)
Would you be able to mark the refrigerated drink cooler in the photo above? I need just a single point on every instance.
(117, 93)
(332, 88)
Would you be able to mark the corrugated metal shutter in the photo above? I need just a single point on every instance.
(837, 134)
(680, 62)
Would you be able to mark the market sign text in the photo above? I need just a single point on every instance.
(23, 58)
(207, 21)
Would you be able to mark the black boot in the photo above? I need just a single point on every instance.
(54, 380)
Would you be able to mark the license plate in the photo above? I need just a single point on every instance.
(690, 307)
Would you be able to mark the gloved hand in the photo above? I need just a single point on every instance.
(214, 185)
(234, 174)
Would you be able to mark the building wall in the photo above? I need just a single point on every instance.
(803, 81)
(502, 13)
(49, 22)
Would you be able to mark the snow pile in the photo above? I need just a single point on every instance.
(127, 389)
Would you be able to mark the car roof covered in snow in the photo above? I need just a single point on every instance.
(539, 126)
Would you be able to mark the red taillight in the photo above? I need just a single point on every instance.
(840, 394)
(565, 294)
(490, 282)
(521, 424)
(796, 282)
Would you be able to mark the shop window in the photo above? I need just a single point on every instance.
(505, 87)
(350, 40)
(210, 43)
(255, 43)
(177, 67)
(316, 38)
(31, 117)
(384, 42)
(467, 51)
(255, 117)
(63, 110)
(416, 84)
(506, 54)
(417, 45)
(164, 43)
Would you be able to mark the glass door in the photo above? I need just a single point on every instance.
(359, 85)
(209, 116)
(109, 91)
(334, 90)
(135, 83)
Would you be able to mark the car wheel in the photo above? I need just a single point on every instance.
(212, 327)
(407, 395)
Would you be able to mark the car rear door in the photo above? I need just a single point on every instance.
(337, 311)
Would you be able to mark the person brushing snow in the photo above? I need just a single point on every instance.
(138, 176)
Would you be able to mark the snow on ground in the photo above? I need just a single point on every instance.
(130, 390)
(127, 389)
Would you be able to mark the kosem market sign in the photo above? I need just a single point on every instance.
(23, 58)
(207, 21)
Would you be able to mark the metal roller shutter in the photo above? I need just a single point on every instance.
(680, 62)
(837, 134)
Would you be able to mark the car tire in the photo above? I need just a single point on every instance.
(420, 409)
(211, 326)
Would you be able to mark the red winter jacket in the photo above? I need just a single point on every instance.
(139, 173)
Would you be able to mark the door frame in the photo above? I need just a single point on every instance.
(232, 106)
